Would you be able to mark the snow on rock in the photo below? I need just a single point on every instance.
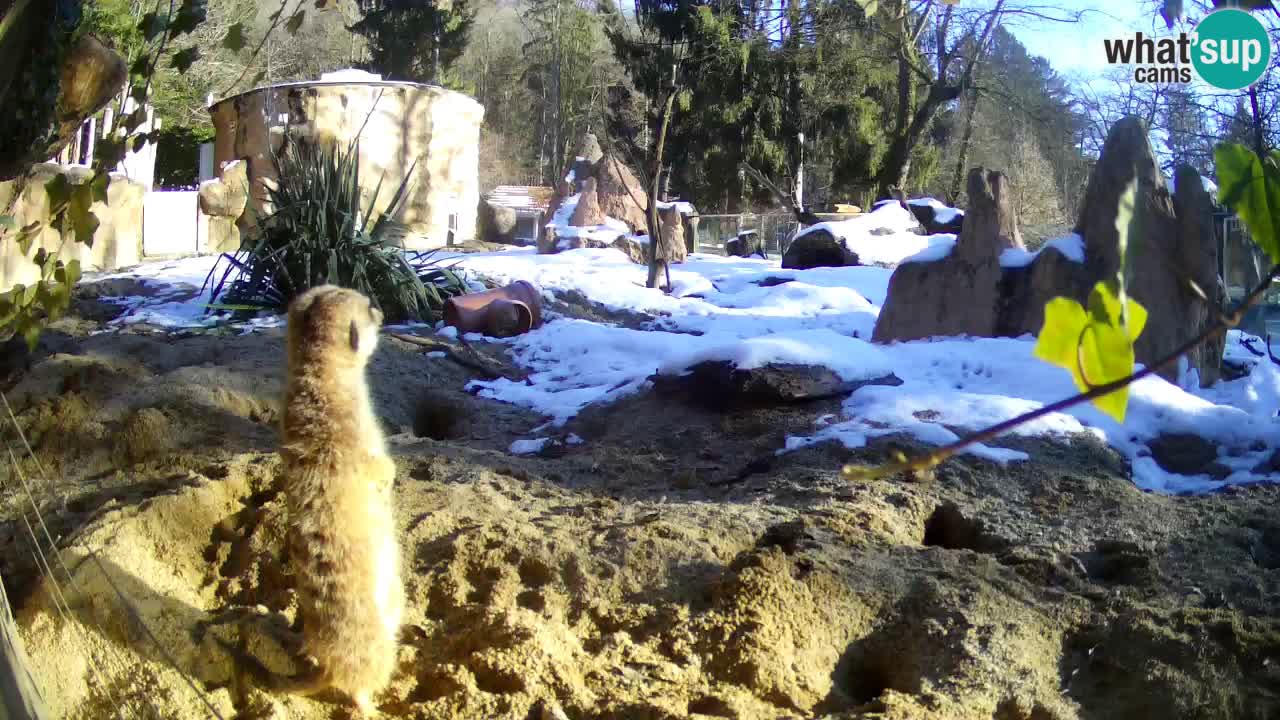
(884, 236)
(942, 213)
(608, 231)
(528, 446)
(940, 248)
(1070, 245)
(850, 358)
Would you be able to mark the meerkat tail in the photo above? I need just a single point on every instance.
(308, 682)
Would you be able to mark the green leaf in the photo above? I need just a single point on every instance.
(1253, 193)
(189, 17)
(1095, 346)
(8, 222)
(73, 272)
(234, 39)
(1064, 322)
(83, 222)
(98, 186)
(294, 23)
(185, 58)
(59, 191)
(30, 332)
(151, 25)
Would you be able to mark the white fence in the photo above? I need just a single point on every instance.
(172, 224)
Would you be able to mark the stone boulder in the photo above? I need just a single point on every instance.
(635, 250)
(496, 223)
(969, 293)
(588, 212)
(671, 246)
(927, 216)
(818, 248)
(224, 200)
(1176, 245)
(621, 195)
(959, 294)
(745, 245)
(721, 385)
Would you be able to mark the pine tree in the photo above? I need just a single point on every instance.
(415, 40)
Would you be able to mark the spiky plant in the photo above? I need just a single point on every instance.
(318, 234)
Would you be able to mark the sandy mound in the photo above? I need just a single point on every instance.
(669, 567)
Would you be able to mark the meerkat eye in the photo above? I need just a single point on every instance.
(355, 337)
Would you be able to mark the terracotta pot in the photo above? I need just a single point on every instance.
(501, 312)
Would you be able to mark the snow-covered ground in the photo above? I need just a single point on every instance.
(752, 312)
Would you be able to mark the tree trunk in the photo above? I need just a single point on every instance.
(1259, 143)
(965, 140)
(656, 264)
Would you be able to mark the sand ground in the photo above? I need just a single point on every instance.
(670, 566)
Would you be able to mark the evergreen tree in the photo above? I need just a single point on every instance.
(415, 40)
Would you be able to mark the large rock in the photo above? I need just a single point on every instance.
(959, 294)
(117, 242)
(671, 247)
(1176, 245)
(587, 213)
(722, 385)
(496, 223)
(1175, 248)
(927, 215)
(818, 248)
(621, 194)
(226, 196)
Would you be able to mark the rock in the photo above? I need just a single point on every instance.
(1183, 453)
(1025, 290)
(226, 196)
(548, 241)
(1176, 244)
(587, 213)
(1198, 255)
(959, 294)
(818, 248)
(720, 385)
(926, 215)
(637, 251)
(671, 247)
(589, 149)
(496, 223)
(92, 74)
(745, 245)
(620, 194)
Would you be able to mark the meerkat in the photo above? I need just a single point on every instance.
(337, 483)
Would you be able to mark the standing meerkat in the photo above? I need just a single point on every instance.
(337, 485)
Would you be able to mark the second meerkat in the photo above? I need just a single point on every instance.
(337, 484)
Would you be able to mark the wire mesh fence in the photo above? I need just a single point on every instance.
(773, 231)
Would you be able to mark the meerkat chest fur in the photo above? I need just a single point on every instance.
(338, 482)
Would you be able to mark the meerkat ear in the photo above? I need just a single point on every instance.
(355, 337)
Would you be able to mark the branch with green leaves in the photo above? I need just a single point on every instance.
(1095, 343)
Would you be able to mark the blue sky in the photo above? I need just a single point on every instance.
(1076, 48)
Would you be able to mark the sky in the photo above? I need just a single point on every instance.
(1076, 48)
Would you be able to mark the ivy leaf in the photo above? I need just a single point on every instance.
(140, 67)
(59, 191)
(1253, 193)
(295, 22)
(30, 331)
(151, 25)
(83, 222)
(189, 17)
(27, 236)
(185, 58)
(98, 186)
(234, 39)
(8, 222)
(1095, 346)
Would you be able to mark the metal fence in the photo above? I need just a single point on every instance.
(773, 230)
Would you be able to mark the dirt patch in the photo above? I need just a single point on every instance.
(672, 565)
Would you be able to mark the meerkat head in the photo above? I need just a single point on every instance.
(333, 325)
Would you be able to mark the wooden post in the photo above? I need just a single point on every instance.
(19, 696)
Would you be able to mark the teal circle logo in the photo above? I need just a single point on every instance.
(1231, 49)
